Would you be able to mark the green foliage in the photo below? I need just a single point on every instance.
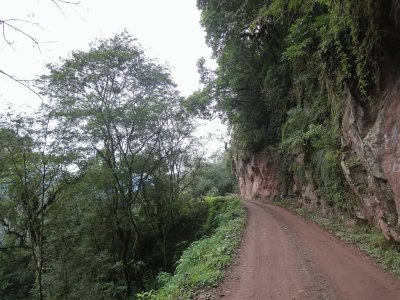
(213, 180)
(202, 264)
(199, 104)
(16, 274)
(215, 206)
(318, 143)
(294, 131)
(239, 86)
(328, 176)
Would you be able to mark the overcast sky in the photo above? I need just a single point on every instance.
(168, 30)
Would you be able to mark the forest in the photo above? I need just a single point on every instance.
(102, 189)
(104, 193)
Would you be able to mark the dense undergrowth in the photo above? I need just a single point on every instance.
(360, 234)
(203, 262)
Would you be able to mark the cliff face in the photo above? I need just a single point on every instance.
(370, 164)
(259, 178)
(371, 159)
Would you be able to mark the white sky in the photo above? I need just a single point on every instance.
(169, 30)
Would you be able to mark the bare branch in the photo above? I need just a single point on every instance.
(4, 35)
(23, 82)
(7, 24)
(56, 3)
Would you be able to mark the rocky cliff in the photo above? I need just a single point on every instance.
(259, 177)
(370, 164)
(371, 159)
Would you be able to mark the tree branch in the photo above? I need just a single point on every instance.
(56, 3)
(23, 82)
(7, 23)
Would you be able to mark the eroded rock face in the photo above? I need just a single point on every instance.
(371, 160)
(258, 178)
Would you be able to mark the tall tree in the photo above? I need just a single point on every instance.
(123, 108)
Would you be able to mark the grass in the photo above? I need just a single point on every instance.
(363, 236)
(202, 265)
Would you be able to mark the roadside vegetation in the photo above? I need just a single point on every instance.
(360, 234)
(202, 264)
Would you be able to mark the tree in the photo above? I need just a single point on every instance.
(120, 108)
(249, 86)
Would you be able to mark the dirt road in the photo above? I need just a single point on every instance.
(284, 256)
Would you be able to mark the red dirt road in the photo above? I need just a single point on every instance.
(284, 256)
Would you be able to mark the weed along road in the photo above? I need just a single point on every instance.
(283, 256)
